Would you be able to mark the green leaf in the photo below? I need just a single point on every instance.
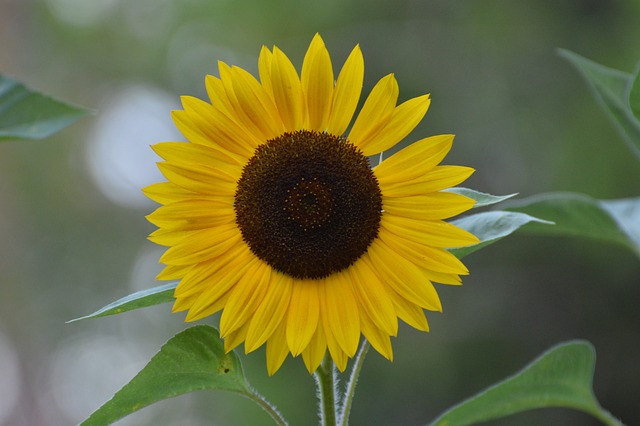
(192, 360)
(482, 199)
(611, 88)
(561, 377)
(25, 114)
(634, 94)
(490, 227)
(140, 299)
(612, 221)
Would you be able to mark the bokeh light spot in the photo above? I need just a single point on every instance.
(119, 155)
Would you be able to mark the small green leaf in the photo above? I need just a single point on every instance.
(561, 377)
(192, 360)
(25, 114)
(613, 221)
(482, 199)
(611, 88)
(634, 94)
(490, 227)
(140, 299)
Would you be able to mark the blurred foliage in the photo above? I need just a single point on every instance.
(28, 115)
(522, 117)
(613, 89)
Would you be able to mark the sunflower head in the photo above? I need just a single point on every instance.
(275, 216)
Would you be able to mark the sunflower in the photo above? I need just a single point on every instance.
(275, 216)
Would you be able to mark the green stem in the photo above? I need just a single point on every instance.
(326, 382)
(266, 406)
(351, 385)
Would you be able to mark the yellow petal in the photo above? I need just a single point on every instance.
(201, 308)
(264, 69)
(372, 297)
(167, 192)
(404, 119)
(378, 338)
(317, 83)
(203, 172)
(434, 233)
(277, 350)
(173, 272)
(442, 277)
(313, 354)
(405, 310)
(190, 153)
(302, 318)
(203, 245)
(270, 313)
(436, 205)
(287, 91)
(403, 276)
(245, 298)
(235, 338)
(410, 313)
(193, 214)
(196, 280)
(216, 124)
(219, 131)
(218, 96)
(376, 112)
(257, 104)
(237, 104)
(347, 93)
(414, 160)
(340, 306)
(337, 354)
(199, 279)
(219, 283)
(437, 179)
(170, 237)
(211, 308)
(200, 180)
(183, 303)
(177, 230)
(422, 255)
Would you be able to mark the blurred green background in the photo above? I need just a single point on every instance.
(73, 233)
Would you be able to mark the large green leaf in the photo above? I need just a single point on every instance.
(25, 114)
(561, 377)
(192, 360)
(140, 299)
(611, 88)
(613, 221)
(490, 227)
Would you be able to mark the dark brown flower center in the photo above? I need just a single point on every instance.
(308, 204)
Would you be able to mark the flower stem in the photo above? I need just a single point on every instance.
(266, 406)
(326, 382)
(351, 385)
